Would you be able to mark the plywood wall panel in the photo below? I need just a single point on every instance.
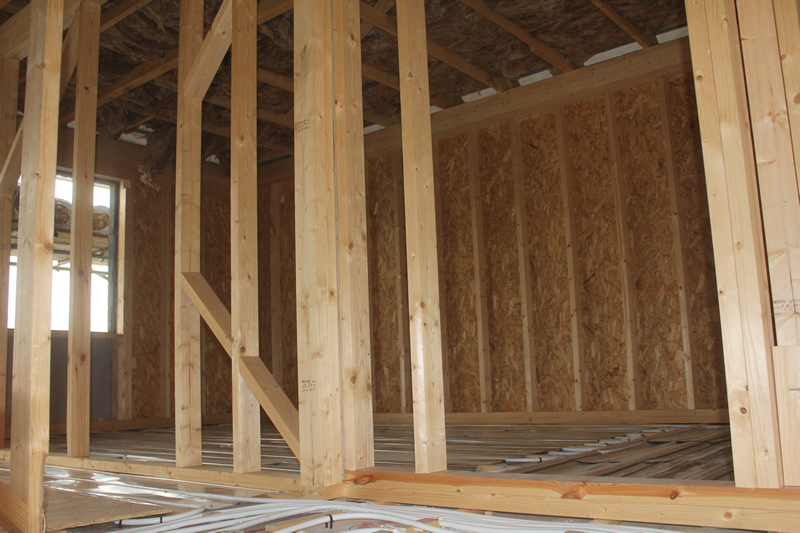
(701, 279)
(547, 248)
(662, 377)
(387, 355)
(146, 308)
(458, 280)
(598, 253)
(288, 291)
(215, 265)
(506, 352)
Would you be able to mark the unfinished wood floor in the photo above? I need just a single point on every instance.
(686, 452)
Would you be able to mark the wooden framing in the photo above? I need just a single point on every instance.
(79, 341)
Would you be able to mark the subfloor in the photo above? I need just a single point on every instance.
(667, 451)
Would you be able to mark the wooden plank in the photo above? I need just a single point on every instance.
(31, 384)
(119, 12)
(423, 269)
(244, 233)
(13, 162)
(538, 47)
(80, 255)
(354, 319)
(215, 46)
(123, 353)
(525, 280)
(738, 243)
(69, 56)
(67, 510)
(9, 73)
(777, 177)
(269, 9)
(13, 509)
(403, 307)
(276, 80)
(787, 19)
(15, 31)
(479, 262)
(404, 334)
(574, 270)
(383, 6)
(319, 364)
(275, 283)
(787, 386)
(210, 307)
(384, 22)
(679, 242)
(635, 33)
(628, 290)
(167, 297)
(188, 445)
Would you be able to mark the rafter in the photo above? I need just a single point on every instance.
(537, 46)
(381, 5)
(276, 80)
(15, 31)
(117, 13)
(627, 26)
(384, 22)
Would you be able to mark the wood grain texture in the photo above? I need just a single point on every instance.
(287, 291)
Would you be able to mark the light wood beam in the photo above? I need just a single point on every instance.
(215, 46)
(408, 404)
(269, 9)
(787, 386)
(393, 81)
(188, 445)
(319, 364)
(354, 320)
(787, 20)
(69, 56)
(269, 394)
(538, 47)
(123, 357)
(244, 235)
(15, 31)
(119, 12)
(80, 256)
(625, 259)
(381, 5)
(633, 32)
(423, 270)
(9, 73)
(574, 270)
(738, 241)
(384, 22)
(276, 80)
(276, 320)
(12, 508)
(31, 384)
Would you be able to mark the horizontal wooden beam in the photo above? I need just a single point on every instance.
(384, 22)
(15, 31)
(276, 80)
(538, 47)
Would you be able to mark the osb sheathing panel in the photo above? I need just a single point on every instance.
(264, 303)
(387, 354)
(506, 350)
(598, 255)
(215, 265)
(145, 290)
(662, 378)
(458, 279)
(288, 291)
(701, 281)
(547, 248)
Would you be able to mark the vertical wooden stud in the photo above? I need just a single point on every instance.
(479, 266)
(628, 291)
(188, 421)
(573, 267)
(318, 362)
(423, 269)
(443, 311)
(80, 256)
(738, 242)
(9, 91)
(679, 242)
(167, 355)
(244, 234)
(30, 429)
(122, 358)
(356, 351)
(275, 283)
(531, 371)
(787, 20)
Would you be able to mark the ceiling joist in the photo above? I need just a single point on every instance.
(626, 25)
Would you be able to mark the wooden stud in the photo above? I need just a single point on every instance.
(381, 5)
(319, 364)
(738, 242)
(531, 370)
(212, 52)
(423, 269)
(628, 290)
(31, 384)
(244, 234)
(354, 319)
(188, 444)
(15, 32)
(538, 47)
(276, 336)
(479, 268)
(276, 80)
(404, 305)
(120, 11)
(574, 270)
(9, 73)
(679, 243)
(777, 178)
(787, 19)
(80, 257)
(404, 334)
(626, 25)
(787, 386)
(123, 357)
